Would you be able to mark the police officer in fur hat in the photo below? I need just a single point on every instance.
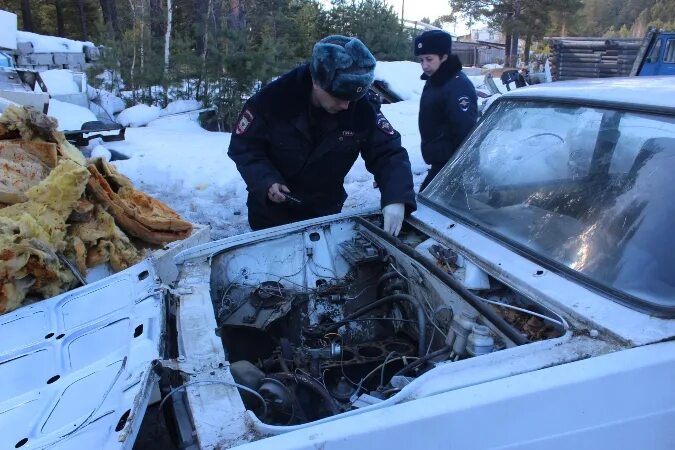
(449, 104)
(297, 138)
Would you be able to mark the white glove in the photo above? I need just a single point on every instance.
(393, 218)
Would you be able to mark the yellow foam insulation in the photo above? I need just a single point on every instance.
(32, 231)
(136, 212)
(55, 205)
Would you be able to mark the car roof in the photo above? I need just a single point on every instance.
(650, 92)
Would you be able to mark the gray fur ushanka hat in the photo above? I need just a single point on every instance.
(342, 66)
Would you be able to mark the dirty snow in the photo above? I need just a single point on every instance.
(138, 115)
(181, 106)
(52, 44)
(70, 116)
(59, 82)
(402, 77)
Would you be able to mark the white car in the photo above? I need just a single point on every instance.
(528, 303)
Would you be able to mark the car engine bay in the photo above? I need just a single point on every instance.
(339, 317)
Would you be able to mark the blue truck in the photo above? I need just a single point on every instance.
(656, 55)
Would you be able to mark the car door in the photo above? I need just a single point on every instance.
(75, 369)
(651, 62)
(667, 66)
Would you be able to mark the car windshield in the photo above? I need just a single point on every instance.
(587, 190)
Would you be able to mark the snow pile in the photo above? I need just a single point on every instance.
(101, 152)
(478, 82)
(58, 82)
(402, 77)
(111, 103)
(471, 71)
(70, 116)
(181, 106)
(138, 116)
(52, 44)
(493, 66)
(187, 167)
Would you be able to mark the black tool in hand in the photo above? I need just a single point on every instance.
(292, 199)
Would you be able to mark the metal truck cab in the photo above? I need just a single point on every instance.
(661, 57)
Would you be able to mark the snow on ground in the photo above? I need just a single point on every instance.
(180, 106)
(70, 116)
(100, 151)
(403, 77)
(59, 82)
(187, 167)
(108, 101)
(138, 115)
(52, 44)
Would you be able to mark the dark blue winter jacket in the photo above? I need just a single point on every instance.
(448, 111)
(281, 138)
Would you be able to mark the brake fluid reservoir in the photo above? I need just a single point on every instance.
(479, 342)
(459, 330)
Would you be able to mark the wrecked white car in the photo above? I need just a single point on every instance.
(527, 304)
(530, 297)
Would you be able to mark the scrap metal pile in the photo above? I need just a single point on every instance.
(61, 214)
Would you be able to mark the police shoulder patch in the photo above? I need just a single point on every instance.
(464, 103)
(245, 121)
(383, 124)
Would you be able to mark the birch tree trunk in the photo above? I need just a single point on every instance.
(133, 58)
(167, 37)
(142, 22)
(209, 10)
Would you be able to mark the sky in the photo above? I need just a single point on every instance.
(417, 9)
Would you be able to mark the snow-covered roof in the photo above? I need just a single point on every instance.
(655, 92)
(52, 44)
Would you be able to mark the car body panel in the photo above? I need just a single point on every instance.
(587, 404)
(592, 310)
(75, 369)
(201, 352)
(637, 92)
(86, 338)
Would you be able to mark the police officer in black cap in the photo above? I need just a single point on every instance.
(449, 104)
(297, 138)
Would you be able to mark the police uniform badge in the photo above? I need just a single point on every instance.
(245, 121)
(464, 103)
(384, 125)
